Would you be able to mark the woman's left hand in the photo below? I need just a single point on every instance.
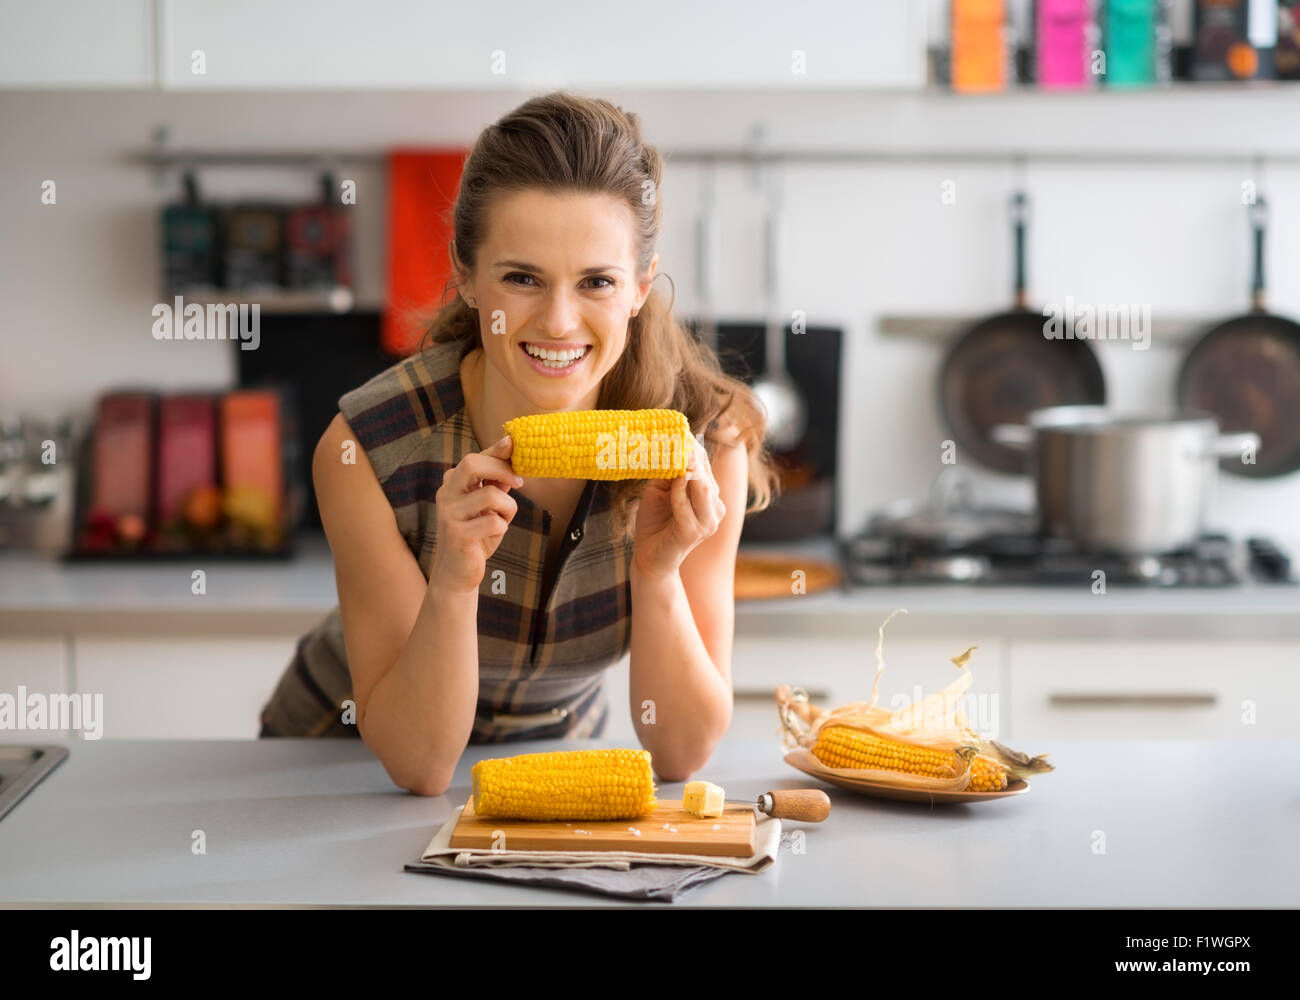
(676, 515)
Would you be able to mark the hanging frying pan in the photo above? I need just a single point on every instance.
(1246, 371)
(1005, 366)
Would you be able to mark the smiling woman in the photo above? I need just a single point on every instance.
(479, 606)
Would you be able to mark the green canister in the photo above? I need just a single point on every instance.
(1138, 40)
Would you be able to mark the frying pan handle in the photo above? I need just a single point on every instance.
(1231, 445)
(1019, 219)
(702, 234)
(704, 240)
(1017, 436)
(771, 268)
(1258, 212)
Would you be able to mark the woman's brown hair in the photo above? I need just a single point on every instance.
(563, 143)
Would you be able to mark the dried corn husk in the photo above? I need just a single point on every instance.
(935, 721)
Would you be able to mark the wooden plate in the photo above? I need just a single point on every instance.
(806, 762)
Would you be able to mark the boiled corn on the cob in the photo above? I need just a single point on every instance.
(571, 784)
(601, 444)
(846, 746)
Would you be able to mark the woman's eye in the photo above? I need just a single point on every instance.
(609, 283)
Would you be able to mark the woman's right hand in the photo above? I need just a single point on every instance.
(474, 509)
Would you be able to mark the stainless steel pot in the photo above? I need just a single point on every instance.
(1120, 483)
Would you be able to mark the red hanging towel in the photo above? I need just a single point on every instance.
(422, 188)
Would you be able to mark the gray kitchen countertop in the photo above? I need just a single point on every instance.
(318, 823)
(43, 596)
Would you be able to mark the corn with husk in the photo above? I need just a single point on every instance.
(928, 744)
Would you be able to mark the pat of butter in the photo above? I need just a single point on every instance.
(703, 799)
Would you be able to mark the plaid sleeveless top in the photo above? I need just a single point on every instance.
(543, 649)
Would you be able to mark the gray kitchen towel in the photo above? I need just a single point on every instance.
(626, 874)
(664, 883)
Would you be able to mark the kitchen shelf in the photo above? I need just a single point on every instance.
(946, 328)
(1176, 90)
(147, 556)
(340, 299)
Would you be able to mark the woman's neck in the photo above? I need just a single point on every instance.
(490, 400)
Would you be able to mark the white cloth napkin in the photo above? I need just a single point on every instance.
(767, 842)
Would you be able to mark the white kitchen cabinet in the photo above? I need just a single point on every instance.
(40, 666)
(839, 670)
(337, 44)
(193, 688)
(76, 43)
(1202, 690)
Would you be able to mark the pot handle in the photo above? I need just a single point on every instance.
(1017, 436)
(1231, 445)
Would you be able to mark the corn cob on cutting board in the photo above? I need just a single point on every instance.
(667, 830)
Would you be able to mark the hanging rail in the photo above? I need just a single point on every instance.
(179, 159)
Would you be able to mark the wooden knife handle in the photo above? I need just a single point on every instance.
(807, 805)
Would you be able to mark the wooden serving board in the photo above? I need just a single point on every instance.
(733, 838)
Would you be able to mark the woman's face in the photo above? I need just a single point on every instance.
(555, 284)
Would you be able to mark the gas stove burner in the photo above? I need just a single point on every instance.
(957, 568)
(1149, 568)
(1214, 560)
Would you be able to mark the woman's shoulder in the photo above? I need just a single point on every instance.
(392, 413)
(435, 371)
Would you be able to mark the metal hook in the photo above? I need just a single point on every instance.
(672, 284)
(159, 140)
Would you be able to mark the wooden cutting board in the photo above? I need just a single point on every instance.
(733, 838)
(760, 577)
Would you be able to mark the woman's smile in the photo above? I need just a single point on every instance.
(555, 359)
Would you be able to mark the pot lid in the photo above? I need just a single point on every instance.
(1084, 418)
(949, 517)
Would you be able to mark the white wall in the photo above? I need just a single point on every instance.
(77, 280)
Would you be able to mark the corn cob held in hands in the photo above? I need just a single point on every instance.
(601, 444)
(569, 784)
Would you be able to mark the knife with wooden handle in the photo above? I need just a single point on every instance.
(805, 805)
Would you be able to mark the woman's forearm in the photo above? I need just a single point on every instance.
(421, 712)
(681, 702)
